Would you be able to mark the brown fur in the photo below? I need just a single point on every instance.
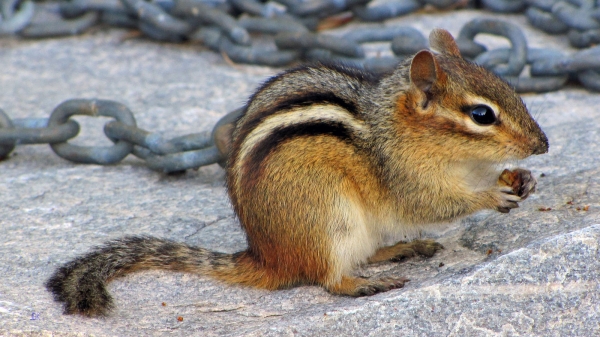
(327, 161)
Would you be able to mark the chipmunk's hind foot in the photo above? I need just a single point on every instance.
(427, 248)
(403, 250)
(356, 287)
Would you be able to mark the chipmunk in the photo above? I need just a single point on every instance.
(329, 162)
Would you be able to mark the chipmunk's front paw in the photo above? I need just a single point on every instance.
(514, 186)
(521, 182)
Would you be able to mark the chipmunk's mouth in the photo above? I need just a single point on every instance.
(524, 150)
(535, 149)
(519, 154)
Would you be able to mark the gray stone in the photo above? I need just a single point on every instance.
(527, 273)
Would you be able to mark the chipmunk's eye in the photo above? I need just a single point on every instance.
(482, 115)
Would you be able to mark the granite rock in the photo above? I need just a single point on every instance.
(527, 273)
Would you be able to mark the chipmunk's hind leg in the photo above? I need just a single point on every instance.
(354, 243)
(403, 250)
(356, 286)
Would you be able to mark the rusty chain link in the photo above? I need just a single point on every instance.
(279, 33)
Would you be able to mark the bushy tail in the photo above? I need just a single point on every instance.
(81, 283)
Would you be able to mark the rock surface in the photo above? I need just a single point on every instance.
(528, 273)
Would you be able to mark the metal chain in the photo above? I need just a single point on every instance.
(287, 31)
(165, 155)
(290, 26)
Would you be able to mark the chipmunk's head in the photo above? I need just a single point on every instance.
(476, 114)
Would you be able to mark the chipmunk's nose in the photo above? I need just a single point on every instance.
(542, 144)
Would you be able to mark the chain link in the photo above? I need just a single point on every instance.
(85, 154)
(289, 32)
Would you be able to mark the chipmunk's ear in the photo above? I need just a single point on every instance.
(441, 41)
(425, 71)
